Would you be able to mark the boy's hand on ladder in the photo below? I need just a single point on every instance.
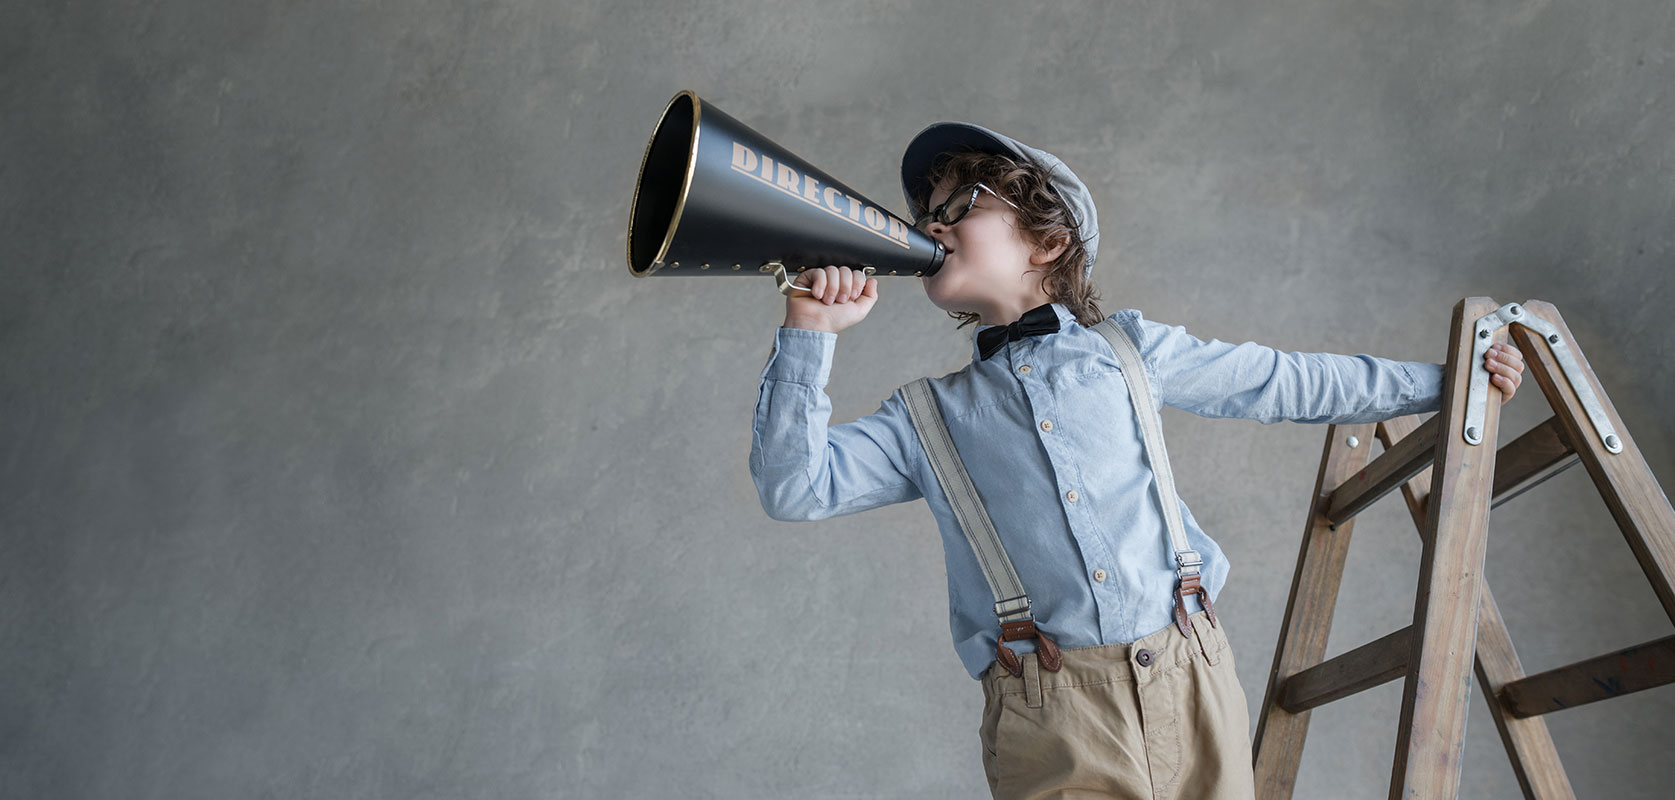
(1506, 369)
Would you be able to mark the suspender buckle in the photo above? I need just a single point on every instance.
(1187, 586)
(1012, 607)
(1046, 649)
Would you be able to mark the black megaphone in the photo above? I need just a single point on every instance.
(717, 198)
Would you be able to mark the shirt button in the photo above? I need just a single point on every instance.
(1046, 425)
(1143, 658)
(1023, 370)
(1071, 495)
(1099, 575)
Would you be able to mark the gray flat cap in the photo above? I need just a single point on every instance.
(956, 137)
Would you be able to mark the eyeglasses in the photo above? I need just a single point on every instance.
(959, 203)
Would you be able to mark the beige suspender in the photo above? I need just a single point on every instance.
(1187, 560)
(1011, 601)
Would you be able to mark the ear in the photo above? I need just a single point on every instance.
(1047, 254)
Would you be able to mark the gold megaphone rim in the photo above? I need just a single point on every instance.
(685, 185)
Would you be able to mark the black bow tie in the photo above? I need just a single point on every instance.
(1034, 322)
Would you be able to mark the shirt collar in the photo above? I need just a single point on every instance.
(1064, 315)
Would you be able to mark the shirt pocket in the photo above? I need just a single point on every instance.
(1097, 403)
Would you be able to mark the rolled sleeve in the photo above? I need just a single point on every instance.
(801, 356)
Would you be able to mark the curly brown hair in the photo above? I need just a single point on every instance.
(1044, 221)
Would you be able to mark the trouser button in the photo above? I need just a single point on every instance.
(1143, 658)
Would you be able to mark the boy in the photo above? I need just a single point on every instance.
(1124, 686)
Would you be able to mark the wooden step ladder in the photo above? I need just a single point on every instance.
(1447, 470)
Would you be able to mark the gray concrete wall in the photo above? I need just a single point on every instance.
(340, 456)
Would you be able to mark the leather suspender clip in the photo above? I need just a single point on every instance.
(1046, 649)
(1187, 586)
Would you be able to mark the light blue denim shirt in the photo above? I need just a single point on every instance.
(1026, 470)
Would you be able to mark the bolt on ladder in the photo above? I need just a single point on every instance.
(1451, 474)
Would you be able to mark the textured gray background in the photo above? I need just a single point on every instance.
(340, 456)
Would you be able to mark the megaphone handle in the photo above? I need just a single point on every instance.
(787, 288)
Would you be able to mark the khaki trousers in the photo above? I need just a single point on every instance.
(1163, 717)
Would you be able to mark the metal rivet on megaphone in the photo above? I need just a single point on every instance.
(717, 198)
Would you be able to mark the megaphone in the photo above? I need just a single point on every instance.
(717, 198)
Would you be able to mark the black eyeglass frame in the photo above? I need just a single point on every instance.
(971, 190)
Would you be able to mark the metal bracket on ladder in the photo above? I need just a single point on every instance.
(1477, 394)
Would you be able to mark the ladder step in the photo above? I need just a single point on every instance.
(1369, 665)
(1521, 465)
(1390, 470)
(1531, 459)
(1632, 669)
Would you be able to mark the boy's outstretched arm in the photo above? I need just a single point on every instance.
(804, 470)
(1252, 381)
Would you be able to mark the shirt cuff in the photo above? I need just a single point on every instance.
(801, 356)
(1426, 380)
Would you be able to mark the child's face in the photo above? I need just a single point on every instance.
(987, 269)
